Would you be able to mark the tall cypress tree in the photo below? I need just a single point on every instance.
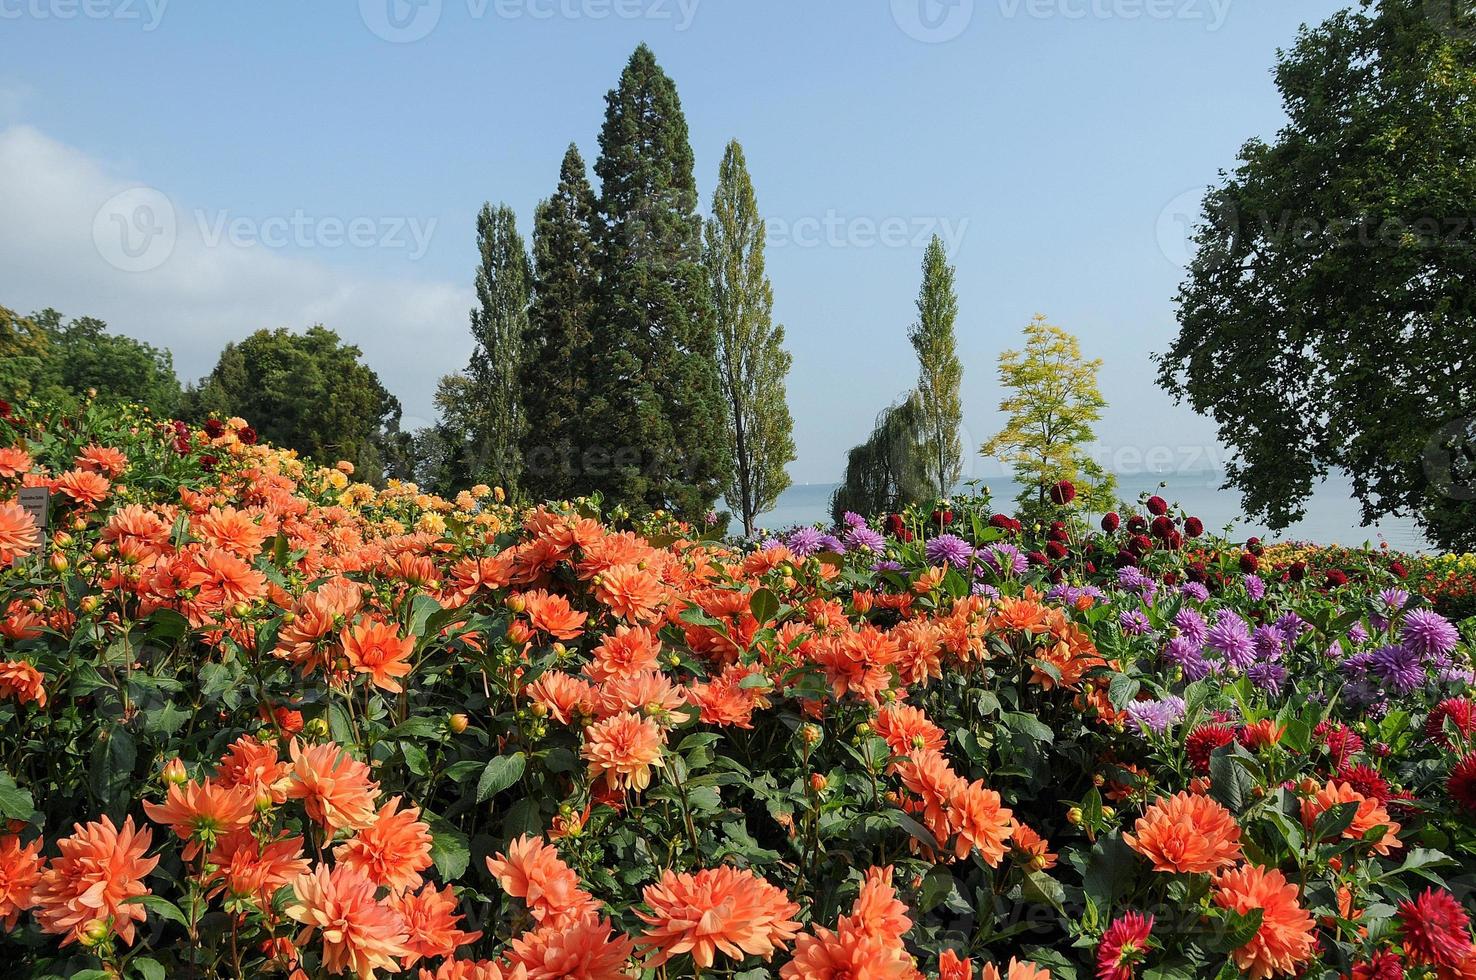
(498, 324)
(940, 374)
(657, 416)
(752, 361)
(565, 275)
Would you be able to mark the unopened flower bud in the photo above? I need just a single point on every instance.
(458, 723)
(174, 773)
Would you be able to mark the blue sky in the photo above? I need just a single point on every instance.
(315, 170)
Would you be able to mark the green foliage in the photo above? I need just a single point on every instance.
(557, 345)
(1328, 318)
(752, 361)
(493, 411)
(888, 472)
(1052, 402)
(656, 429)
(307, 391)
(24, 351)
(940, 374)
(85, 357)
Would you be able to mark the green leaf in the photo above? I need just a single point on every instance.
(450, 849)
(1334, 820)
(149, 969)
(1236, 929)
(500, 773)
(15, 803)
(764, 605)
(161, 907)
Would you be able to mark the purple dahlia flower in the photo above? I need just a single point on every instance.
(865, 539)
(1429, 633)
(949, 549)
(1231, 638)
(1400, 667)
(805, 541)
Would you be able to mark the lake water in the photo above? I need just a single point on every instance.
(1332, 515)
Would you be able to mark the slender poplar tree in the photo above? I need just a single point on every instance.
(499, 323)
(752, 361)
(557, 346)
(657, 416)
(940, 374)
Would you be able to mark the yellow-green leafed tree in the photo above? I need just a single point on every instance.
(1052, 402)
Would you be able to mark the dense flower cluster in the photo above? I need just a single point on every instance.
(258, 718)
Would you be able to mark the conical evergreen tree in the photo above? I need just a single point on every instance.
(657, 417)
(498, 324)
(752, 361)
(557, 347)
(940, 375)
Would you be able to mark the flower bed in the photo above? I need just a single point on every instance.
(256, 717)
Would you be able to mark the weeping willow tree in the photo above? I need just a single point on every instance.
(889, 470)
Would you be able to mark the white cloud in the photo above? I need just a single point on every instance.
(85, 240)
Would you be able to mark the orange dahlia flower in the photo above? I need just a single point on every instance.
(1284, 941)
(630, 650)
(907, 729)
(589, 949)
(848, 953)
(1187, 834)
(20, 869)
(632, 593)
(1016, 971)
(250, 869)
(255, 764)
(1370, 814)
(13, 462)
(432, 925)
(22, 682)
(716, 910)
(622, 749)
(100, 867)
(202, 813)
(18, 536)
(533, 871)
(102, 459)
(565, 697)
(360, 935)
(474, 970)
(375, 648)
(552, 614)
(979, 821)
(334, 787)
(392, 851)
(85, 488)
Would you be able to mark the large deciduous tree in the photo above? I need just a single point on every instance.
(752, 361)
(940, 375)
(499, 324)
(557, 347)
(656, 416)
(1328, 317)
(308, 392)
(1052, 401)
